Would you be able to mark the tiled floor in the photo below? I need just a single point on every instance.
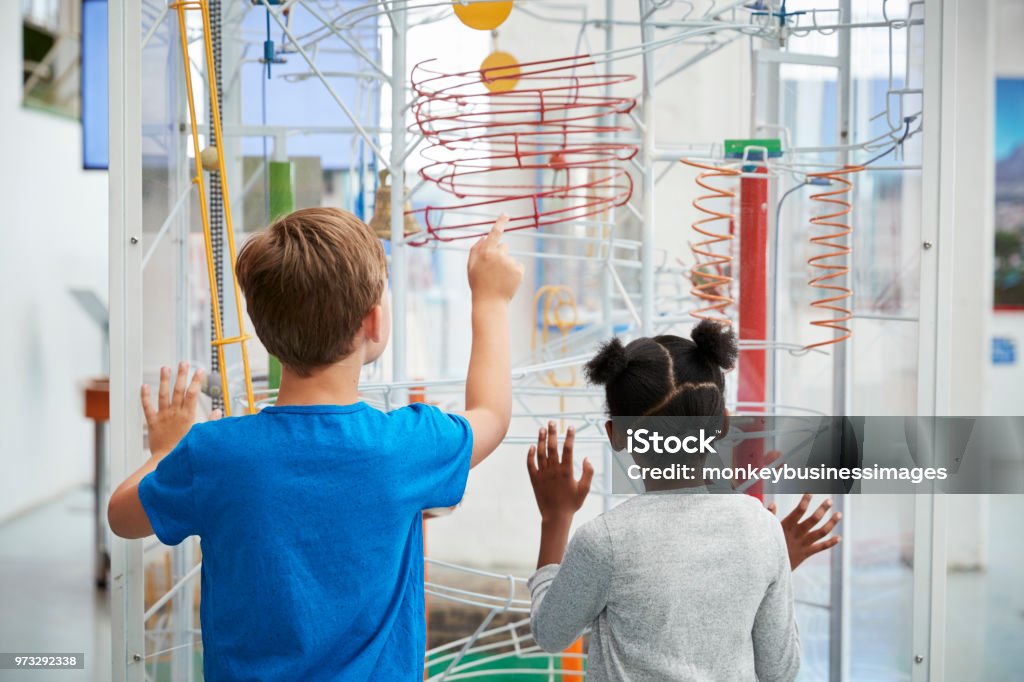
(48, 600)
(985, 611)
(48, 603)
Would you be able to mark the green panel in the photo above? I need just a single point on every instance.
(501, 670)
(282, 202)
(274, 373)
(735, 148)
(282, 198)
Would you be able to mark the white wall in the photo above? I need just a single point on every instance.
(54, 236)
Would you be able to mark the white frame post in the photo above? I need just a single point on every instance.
(125, 295)
(607, 285)
(958, 89)
(183, 556)
(399, 275)
(646, 165)
(839, 587)
(933, 350)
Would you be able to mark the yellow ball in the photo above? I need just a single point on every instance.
(483, 16)
(208, 157)
(499, 72)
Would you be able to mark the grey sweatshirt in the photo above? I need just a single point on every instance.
(675, 586)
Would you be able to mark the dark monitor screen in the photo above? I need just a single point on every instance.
(95, 133)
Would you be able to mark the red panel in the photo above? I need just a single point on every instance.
(753, 307)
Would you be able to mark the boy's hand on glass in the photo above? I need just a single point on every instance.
(493, 274)
(176, 409)
(559, 495)
(803, 540)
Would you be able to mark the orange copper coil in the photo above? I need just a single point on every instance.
(833, 263)
(710, 276)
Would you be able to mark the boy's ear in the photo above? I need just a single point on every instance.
(374, 324)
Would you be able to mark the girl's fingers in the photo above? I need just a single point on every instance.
(585, 479)
(552, 444)
(542, 448)
(164, 392)
(531, 461)
(817, 516)
(798, 511)
(826, 528)
(822, 546)
(178, 397)
(570, 437)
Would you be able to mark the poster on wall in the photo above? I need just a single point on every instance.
(1009, 273)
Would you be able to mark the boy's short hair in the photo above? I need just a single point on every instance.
(309, 281)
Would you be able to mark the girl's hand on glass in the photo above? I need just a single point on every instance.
(559, 495)
(803, 540)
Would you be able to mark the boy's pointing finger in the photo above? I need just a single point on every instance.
(498, 228)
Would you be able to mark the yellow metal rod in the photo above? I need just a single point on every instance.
(228, 226)
(219, 341)
(233, 339)
(200, 187)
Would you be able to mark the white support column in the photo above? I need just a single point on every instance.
(968, 216)
(647, 181)
(839, 583)
(399, 274)
(607, 286)
(125, 296)
(930, 347)
(956, 245)
(184, 555)
(929, 623)
(957, 215)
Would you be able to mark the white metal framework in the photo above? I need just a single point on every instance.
(640, 288)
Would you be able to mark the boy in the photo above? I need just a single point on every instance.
(309, 512)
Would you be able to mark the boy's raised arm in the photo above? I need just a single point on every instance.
(493, 279)
(168, 424)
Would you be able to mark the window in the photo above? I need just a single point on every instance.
(51, 55)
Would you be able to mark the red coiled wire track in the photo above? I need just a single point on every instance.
(833, 262)
(539, 152)
(711, 274)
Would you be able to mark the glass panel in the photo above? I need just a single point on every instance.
(882, 351)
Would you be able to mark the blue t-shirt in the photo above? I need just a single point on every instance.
(311, 535)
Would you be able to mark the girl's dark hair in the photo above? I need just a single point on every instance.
(666, 375)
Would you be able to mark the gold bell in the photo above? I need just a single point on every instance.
(381, 220)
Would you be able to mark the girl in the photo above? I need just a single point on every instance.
(678, 586)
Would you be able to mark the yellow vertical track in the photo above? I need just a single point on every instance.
(218, 328)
